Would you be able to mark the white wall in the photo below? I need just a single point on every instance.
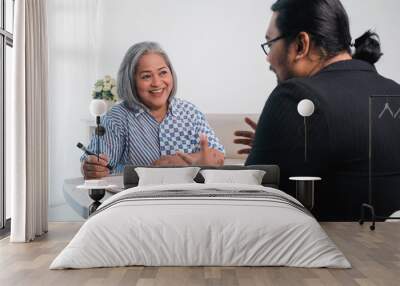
(214, 46)
(383, 18)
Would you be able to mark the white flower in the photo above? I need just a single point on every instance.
(114, 90)
(99, 82)
(107, 86)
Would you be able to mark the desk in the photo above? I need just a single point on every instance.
(78, 199)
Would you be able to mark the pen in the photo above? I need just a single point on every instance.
(87, 152)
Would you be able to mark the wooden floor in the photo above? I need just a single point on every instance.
(375, 257)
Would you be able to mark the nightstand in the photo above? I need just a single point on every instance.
(305, 190)
(80, 199)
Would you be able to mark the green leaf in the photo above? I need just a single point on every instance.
(99, 82)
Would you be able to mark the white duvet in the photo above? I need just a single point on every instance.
(183, 231)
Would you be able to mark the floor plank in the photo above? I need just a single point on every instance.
(374, 255)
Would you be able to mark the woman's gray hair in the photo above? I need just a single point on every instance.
(126, 83)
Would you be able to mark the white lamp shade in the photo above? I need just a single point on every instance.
(97, 107)
(305, 107)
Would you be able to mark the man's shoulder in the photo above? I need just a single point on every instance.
(340, 80)
(295, 89)
(302, 83)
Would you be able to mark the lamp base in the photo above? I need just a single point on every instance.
(305, 193)
(96, 195)
(305, 190)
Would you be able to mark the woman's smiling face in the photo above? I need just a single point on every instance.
(154, 81)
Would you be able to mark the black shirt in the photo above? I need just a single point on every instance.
(338, 139)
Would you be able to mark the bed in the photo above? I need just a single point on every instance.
(201, 224)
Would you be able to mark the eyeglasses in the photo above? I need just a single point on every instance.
(267, 45)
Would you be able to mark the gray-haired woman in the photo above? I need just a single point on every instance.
(150, 125)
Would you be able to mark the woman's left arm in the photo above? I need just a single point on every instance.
(203, 127)
(210, 151)
(207, 156)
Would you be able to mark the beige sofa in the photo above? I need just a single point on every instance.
(224, 125)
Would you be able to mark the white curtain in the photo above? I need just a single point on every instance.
(73, 30)
(27, 123)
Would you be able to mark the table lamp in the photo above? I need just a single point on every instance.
(305, 108)
(305, 184)
(98, 108)
(96, 188)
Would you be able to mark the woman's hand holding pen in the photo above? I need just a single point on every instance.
(95, 168)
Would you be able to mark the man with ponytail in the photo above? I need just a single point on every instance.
(309, 48)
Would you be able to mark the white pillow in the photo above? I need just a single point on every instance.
(249, 177)
(163, 176)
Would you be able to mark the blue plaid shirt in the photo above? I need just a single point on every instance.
(135, 137)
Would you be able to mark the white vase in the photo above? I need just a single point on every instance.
(109, 104)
